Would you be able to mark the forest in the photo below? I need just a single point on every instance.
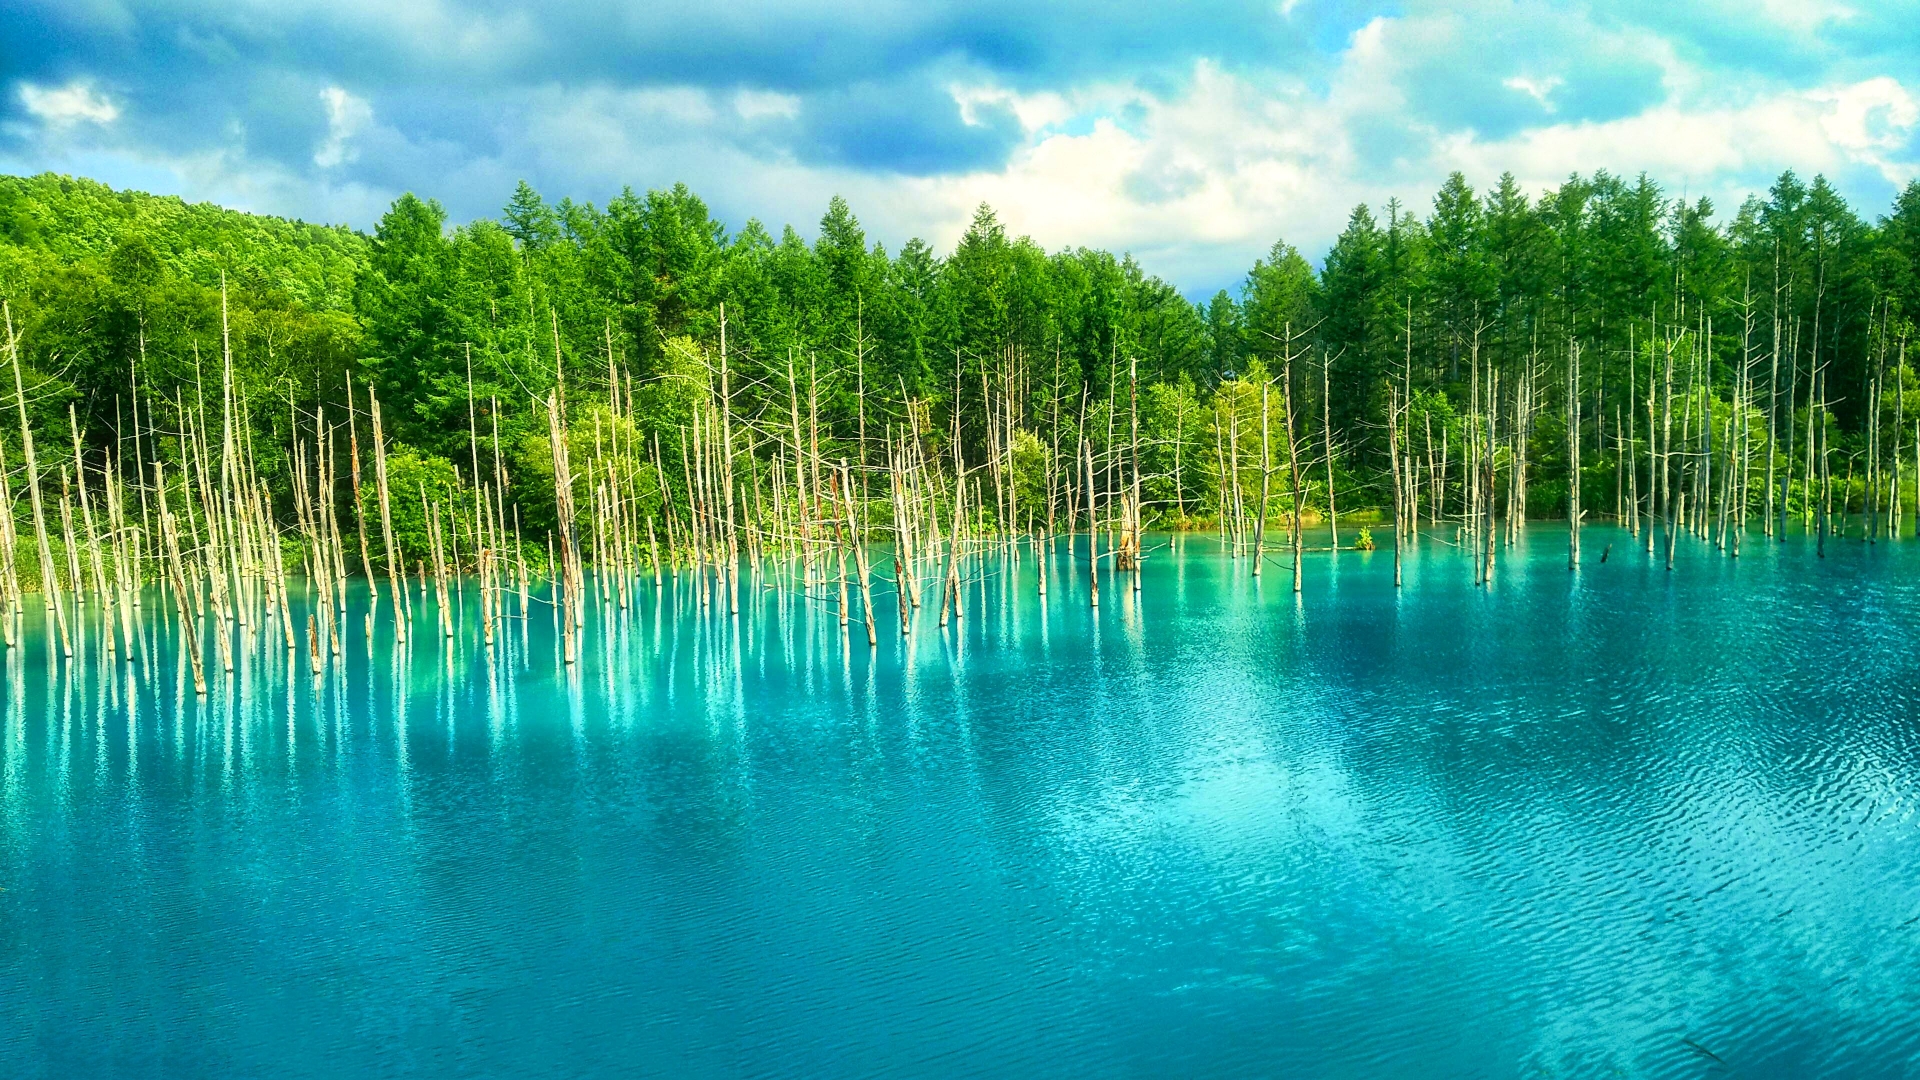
(637, 381)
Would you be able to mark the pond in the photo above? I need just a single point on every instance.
(1619, 821)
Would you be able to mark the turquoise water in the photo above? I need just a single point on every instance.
(1624, 822)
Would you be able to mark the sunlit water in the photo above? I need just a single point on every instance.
(1623, 821)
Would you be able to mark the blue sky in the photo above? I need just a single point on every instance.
(1193, 135)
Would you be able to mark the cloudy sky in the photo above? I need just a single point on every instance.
(1192, 134)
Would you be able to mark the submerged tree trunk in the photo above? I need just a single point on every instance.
(1573, 455)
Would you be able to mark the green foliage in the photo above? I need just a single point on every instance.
(75, 221)
(416, 483)
(1177, 457)
(1031, 463)
(126, 302)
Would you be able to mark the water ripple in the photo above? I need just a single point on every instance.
(1619, 822)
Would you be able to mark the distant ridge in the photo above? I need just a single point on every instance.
(71, 218)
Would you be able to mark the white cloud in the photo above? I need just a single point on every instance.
(62, 107)
(1034, 111)
(1861, 124)
(1201, 179)
(1205, 179)
(1803, 17)
(1197, 176)
(1537, 89)
(764, 105)
(347, 116)
(1875, 115)
(1226, 166)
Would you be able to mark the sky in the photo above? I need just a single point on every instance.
(1193, 135)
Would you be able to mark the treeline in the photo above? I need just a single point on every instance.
(1431, 339)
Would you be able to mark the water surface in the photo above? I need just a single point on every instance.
(1623, 821)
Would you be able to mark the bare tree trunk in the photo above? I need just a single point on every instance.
(1293, 459)
(1573, 455)
(1326, 431)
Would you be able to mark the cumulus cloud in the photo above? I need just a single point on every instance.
(1874, 120)
(347, 116)
(761, 105)
(65, 106)
(1539, 90)
(1206, 177)
(1825, 129)
(1192, 135)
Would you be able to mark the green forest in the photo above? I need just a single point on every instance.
(568, 367)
